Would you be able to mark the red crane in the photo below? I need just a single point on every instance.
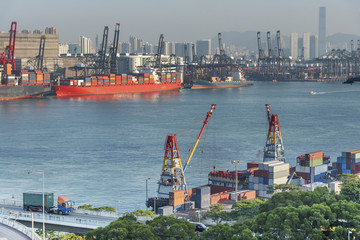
(8, 55)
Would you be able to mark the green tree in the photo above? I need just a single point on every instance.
(350, 189)
(215, 212)
(172, 228)
(246, 209)
(124, 228)
(220, 232)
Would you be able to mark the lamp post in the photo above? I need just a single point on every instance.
(43, 198)
(236, 162)
(146, 193)
(349, 232)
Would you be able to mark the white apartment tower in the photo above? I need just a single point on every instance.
(85, 45)
(306, 45)
(294, 38)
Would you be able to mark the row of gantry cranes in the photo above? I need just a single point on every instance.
(172, 177)
(272, 64)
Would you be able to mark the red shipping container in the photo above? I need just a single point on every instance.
(252, 164)
(265, 174)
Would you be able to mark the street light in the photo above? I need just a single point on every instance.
(146, 193)
(43, 205)
(236, 177)
(349, 232)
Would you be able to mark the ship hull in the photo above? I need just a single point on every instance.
(203, 84)
(114, 89)
(23, 91)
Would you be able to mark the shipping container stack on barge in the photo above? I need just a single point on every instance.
(20, 84)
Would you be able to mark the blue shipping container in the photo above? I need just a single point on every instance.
(266, 181)
(251, 186)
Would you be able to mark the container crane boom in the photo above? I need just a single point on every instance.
(198, 139)
(9, 53)
(159, 52)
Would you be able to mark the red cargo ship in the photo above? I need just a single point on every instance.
(116, 83)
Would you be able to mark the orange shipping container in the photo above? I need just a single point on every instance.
(214, 199)
(314, 155)
(248, 194)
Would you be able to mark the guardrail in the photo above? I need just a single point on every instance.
(19, 227)
(11, 202)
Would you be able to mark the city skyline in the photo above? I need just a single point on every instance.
(183, 21)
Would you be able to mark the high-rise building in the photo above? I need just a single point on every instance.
(85, 45)
(322, 31)
(172, 48)
(203, 47)
(125, 47)
(294, 47)
(306, 45)
(140, 46)
(314, 47)
(133, 41)
(50, 30)
(63, 48)
(37, 31)
(148, 47)
(74, 49)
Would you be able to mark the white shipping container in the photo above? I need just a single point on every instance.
(256, 180)
(251, 178)
(281, 167)
(281, 180)
(256, 186)
(279, 174)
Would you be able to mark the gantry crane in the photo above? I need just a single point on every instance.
(40, 57)
(114, 50)
(274, 148)
(159, 52)
(173, 173)
(7, 57)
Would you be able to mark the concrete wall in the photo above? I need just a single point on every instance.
(27, 45)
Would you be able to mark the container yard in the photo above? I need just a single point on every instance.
(259, 180)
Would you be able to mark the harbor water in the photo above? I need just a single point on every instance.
(100, 150)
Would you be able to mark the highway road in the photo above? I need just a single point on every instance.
(8, 233)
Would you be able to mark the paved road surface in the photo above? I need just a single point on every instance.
(8, 233)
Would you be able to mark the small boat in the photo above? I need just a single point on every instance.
(274, 80)
(312, 92)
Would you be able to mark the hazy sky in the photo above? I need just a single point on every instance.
(179, 20)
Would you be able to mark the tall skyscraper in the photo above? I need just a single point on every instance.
(134, 45)
(314, 47)
(203, 47)
(322, 31)
(306, 45)
(294, 47)
(125, 47)
(85, 45)
(50, 30)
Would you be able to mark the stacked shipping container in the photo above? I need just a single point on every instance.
(123, 79)
(312, 164)
(268, 174)
(348, 163)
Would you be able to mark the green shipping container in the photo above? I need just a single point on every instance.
(316, 162)
(35, 199)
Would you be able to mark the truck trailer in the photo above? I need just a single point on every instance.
(32, 201)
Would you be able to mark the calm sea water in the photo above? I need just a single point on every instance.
(99, 151)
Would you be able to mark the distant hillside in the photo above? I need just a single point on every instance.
(248, 40)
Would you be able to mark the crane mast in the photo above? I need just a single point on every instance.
(269, 45)
(159, 52)
(40, 57)
(114, 50)
(9, 53)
